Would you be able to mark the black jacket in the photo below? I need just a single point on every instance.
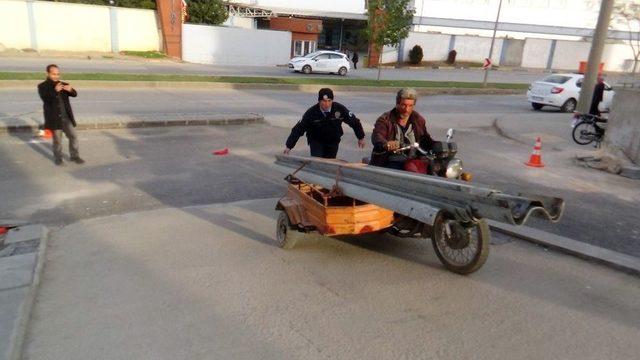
(51, 105)
(325, 129)
(598, 95)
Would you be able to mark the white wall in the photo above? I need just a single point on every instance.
(389, 55)
(568, 54)
(617, 57)
(536, 53)
(435, 47)
(569, 13)
(138, 29)
(76, 27)
(241, 22)
(14, 28)
(69, 27)
(475, 49)
(234, 46)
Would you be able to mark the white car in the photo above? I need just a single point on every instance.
(563, 91)
(321, 61)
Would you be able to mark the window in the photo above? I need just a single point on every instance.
(303, 48)
(297, 48)
(336, 56)
(322, 57)
(556, 79)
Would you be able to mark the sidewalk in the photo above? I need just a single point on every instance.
(22, 254)
(208, 281)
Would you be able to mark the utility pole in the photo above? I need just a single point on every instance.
(493, 40)
(595, 55)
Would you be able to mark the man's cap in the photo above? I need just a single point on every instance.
(325, 94)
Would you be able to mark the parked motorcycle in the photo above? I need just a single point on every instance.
(588, 128)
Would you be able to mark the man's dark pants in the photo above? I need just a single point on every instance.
(71, 134)
(323, 150)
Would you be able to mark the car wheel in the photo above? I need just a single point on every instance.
(569, 105)
(342, 71)
(306, 69)
(536, 106)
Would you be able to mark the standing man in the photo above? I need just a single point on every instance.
(598, 95)
(323, 125)
(400, 127)
(58, 116)
(355, 59)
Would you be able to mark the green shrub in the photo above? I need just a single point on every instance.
(415, 55)
(451, 58)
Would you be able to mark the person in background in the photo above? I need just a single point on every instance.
(58, 115)
(598, 94)
(355, 59)
(323, 125)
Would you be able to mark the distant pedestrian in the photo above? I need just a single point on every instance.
(598, 94)
(58, 116)
(355, 59)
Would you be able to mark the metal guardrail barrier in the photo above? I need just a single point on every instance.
(422, 197)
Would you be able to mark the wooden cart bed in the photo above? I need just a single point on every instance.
(311, 207)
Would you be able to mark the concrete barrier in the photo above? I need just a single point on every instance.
(623, 128)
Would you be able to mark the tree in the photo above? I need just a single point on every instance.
(389, 23)
(628, 13)
(212, 12)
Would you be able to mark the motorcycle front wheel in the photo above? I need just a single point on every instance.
(584, 133)
(462, 248)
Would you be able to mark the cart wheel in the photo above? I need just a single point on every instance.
(461, 248)
(286, 235)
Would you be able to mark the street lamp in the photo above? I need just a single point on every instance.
(493, 40)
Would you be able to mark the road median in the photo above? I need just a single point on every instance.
(19, 80)
(34, 122)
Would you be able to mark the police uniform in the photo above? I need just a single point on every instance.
(324, 129)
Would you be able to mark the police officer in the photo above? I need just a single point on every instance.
(323, 125)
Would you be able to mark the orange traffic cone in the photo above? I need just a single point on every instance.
(45, 134)
(536, 156)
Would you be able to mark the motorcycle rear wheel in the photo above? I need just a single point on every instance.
(462, 248)
(584, 133)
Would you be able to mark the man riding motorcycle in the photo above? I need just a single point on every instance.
(399, 128)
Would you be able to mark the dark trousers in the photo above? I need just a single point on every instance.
(324, 150)
(355, 64)
(70, 132)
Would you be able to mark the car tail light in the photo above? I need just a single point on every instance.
(557, 90)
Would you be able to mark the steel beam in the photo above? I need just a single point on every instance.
(419, 196)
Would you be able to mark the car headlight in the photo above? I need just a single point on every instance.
(454, 169)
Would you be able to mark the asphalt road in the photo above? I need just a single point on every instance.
(289, 104)
(154, 168)
(207, 282)
(171, 67)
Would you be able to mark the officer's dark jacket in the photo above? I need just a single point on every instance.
(51, 104)
(326, 129)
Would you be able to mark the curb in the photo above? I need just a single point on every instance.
(98, 84)
(613, 259)
(102, 125)
(19, 333)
